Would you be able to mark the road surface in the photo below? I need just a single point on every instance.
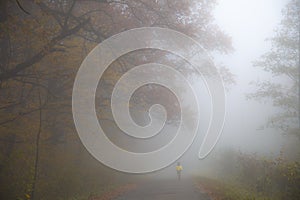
(165, 190)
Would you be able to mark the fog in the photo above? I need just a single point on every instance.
(249, 24)
(101, 99)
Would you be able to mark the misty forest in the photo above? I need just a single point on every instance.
(48, 154)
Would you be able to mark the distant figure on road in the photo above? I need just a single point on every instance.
(179, 169)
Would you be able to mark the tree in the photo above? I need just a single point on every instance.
(42, 46)
(282, 62)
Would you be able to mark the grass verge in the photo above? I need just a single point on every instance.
(219, 190)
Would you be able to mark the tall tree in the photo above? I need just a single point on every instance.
(282, 62)
(42, 44)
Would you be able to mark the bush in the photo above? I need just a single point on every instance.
(271, 178)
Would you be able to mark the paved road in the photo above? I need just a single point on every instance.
(165, 190)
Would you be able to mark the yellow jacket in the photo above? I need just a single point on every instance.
(179, 168)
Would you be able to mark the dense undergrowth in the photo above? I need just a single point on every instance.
(248, 176)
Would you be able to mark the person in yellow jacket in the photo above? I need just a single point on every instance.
(179, 169)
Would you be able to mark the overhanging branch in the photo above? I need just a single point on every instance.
(5, 75)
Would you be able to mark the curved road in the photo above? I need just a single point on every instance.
(165, 190)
